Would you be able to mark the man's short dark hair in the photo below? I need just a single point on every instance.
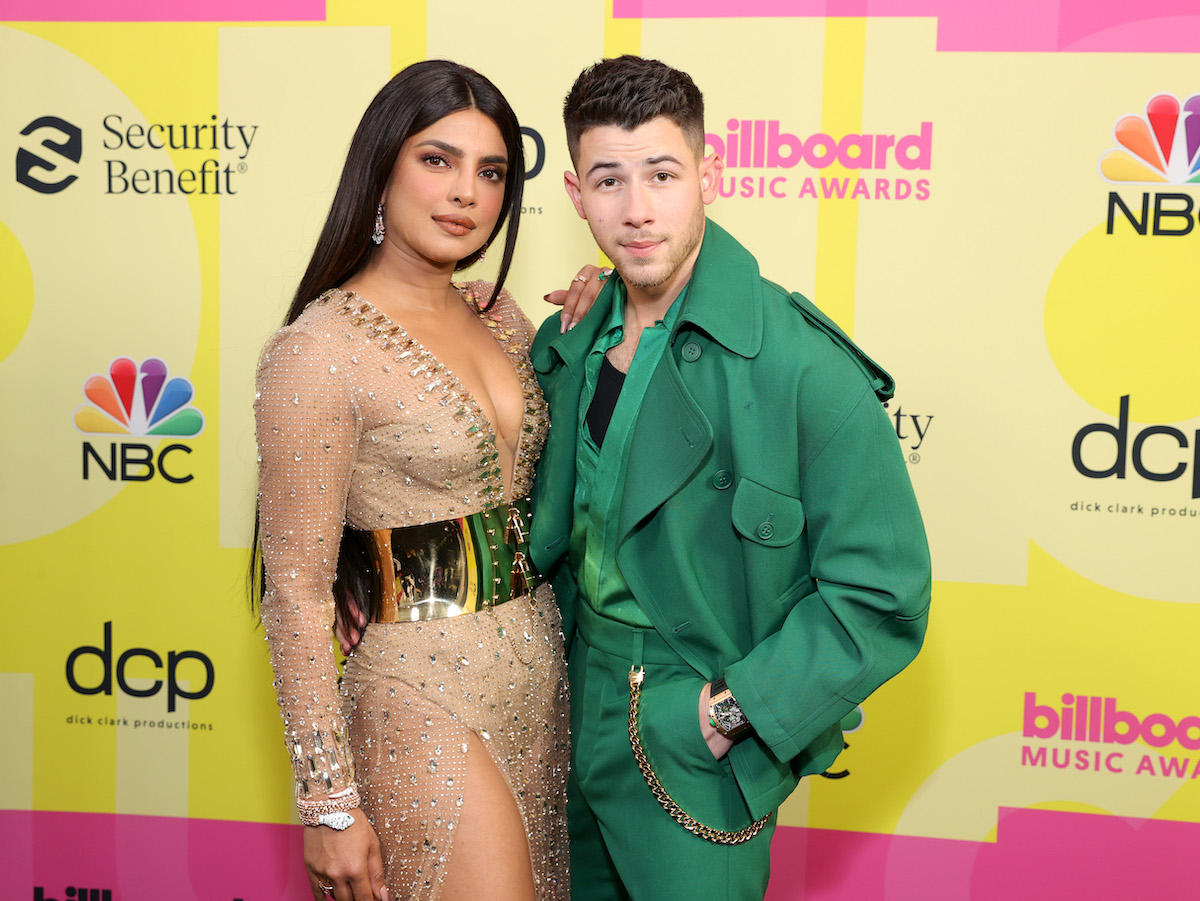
(628, 92)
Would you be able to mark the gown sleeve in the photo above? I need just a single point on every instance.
(307, 429)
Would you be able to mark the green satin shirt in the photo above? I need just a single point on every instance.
(600, 471)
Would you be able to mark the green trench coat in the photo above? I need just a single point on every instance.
(769, 529)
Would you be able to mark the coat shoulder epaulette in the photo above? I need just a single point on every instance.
(882, 383)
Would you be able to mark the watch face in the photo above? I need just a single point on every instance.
(728, 714)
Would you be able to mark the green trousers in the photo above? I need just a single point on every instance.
(624, 845)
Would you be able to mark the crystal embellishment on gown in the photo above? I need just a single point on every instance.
(358, 424)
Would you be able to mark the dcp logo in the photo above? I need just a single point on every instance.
(70, 147)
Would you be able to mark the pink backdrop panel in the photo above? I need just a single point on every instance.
(1038, 855)
(1017, 26)
(162, 10)
(141, 858)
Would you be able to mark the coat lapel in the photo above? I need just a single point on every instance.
(559, 363)
(672, 436)
(670, 440)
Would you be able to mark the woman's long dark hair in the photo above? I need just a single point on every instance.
(412, 101)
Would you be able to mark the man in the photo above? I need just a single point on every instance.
(722, 507)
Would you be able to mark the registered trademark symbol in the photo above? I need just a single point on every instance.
(914, 458)
(242, 167)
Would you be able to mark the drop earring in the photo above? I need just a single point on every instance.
(378, 233)
(482, 253)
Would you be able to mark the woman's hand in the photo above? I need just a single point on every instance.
(348, 863)
(349, 634)
(579, 296)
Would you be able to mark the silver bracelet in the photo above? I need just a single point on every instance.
(311, 812)
(339, 821)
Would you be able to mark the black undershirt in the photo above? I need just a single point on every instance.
(608, 388)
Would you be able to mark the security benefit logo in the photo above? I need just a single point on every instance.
(851, 723)
(138, 401)
(911, 429)
(47, 168)
(1161, 147)
(128, 157)
(763, 160)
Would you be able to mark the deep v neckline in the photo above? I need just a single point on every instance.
(385, 324)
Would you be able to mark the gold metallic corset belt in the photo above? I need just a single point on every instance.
(454, 566)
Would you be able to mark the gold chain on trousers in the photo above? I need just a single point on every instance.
(681, 816)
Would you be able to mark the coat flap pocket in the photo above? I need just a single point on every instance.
(766, 516)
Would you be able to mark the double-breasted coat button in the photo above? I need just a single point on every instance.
(723, 479)
(691, 352)
(765, 530)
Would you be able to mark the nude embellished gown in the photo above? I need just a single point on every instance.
(359, 425)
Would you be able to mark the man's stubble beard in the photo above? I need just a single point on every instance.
(631, 271)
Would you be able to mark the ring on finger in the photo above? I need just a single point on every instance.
(325, 888)
(579, 278)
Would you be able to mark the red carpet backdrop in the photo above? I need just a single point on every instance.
(999, 201)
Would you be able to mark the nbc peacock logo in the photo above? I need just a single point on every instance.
(139, 401)
(1160, 147)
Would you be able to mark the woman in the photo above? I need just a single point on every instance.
(398, 423)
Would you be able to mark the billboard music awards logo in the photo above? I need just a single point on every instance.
(1089, 732)
(138, 401)
(122, 144)
(761, 144)
(79, 894)
(1161, 147)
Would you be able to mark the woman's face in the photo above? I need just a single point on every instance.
(446, 190)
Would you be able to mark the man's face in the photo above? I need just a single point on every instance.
(643, 194)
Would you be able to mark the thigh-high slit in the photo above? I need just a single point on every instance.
(415, 693)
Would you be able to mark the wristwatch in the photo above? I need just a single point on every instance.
(724, 713)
